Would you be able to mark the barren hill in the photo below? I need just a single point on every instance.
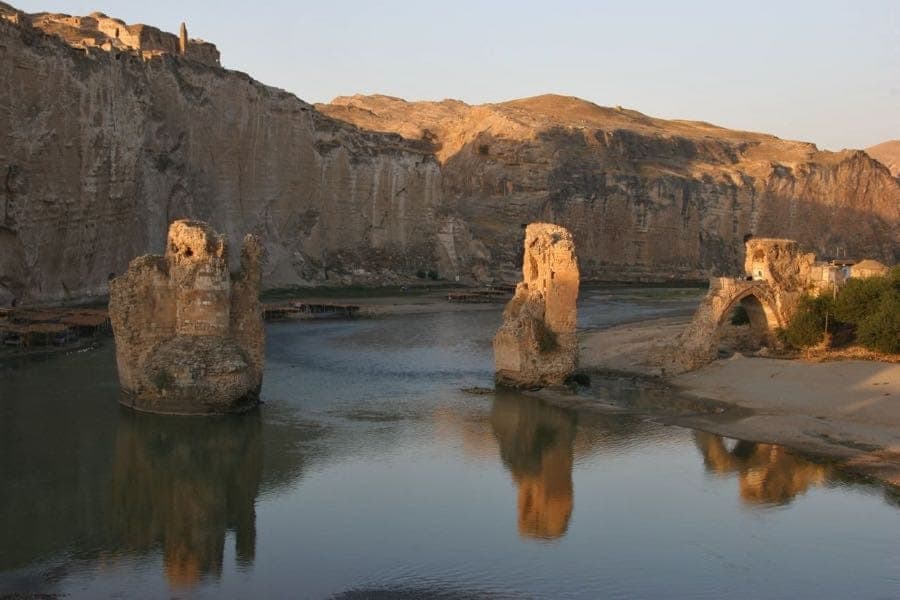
(644, 196)
(887, 153)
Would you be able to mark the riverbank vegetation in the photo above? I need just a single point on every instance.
(864, 311)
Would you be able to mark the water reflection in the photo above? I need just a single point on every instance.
(181, 484)
(84, 481)
(536, 444)
(768, 474)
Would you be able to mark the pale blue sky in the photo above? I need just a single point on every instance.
(822, 71)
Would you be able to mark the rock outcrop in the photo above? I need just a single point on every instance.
(536, 344)
(105, 139)
(888, 154)
(189, 334)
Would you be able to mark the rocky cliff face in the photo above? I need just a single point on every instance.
(101, 150)
(642, 196)
(105, 140)
(888, 154)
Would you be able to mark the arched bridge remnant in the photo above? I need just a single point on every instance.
(777, 275)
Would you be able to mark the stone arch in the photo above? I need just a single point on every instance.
(698, 344)
(761, 310)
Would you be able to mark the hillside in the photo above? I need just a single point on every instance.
(644, 196)
(887, 153)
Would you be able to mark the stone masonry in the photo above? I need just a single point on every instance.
(536, 345)
(189, 334)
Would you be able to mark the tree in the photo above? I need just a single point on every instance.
(880, 330)
(807, 328)
(860, 298)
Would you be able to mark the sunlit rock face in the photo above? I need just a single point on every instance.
(536, 445)
(101, 150)
(189, 334)
(536, 344)
(645, 198)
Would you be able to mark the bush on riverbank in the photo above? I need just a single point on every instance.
(807, 328)
(868, 309)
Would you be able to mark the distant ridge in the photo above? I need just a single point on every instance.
(887, 153)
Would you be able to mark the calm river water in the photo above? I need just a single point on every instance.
(368, 473)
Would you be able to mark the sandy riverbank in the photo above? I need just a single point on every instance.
(847, 410)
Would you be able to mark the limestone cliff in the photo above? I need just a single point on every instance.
(101, 149)
(110, 131)
(642, 196)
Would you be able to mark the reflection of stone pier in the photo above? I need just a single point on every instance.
(768, 474)
(183, 485)
(536, 443)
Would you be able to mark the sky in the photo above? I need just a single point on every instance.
(824, 71)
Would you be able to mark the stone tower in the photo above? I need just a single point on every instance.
(182, 39)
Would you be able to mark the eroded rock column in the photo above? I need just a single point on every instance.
(536, 345)
(189, 335)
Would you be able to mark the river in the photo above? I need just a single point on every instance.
(369, 473)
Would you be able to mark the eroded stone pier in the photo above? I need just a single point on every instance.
(536, 344)
(189, 334)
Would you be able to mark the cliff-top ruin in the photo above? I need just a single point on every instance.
(106, 33)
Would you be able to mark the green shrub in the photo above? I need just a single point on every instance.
(860, 298)
(807, 328)
(546, 339)
(880, 330)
